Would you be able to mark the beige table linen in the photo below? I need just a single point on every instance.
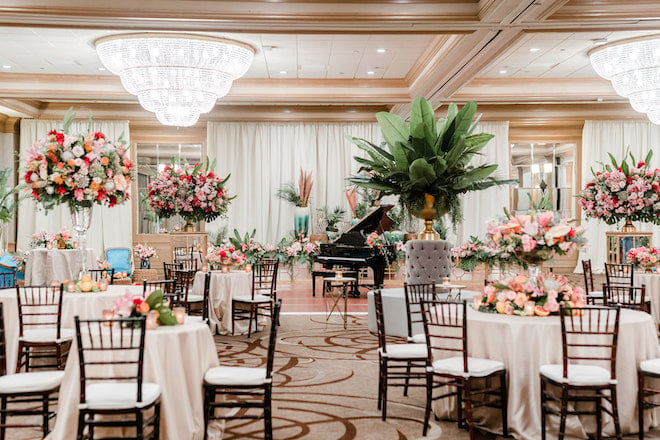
(652, 282)
(85, 305)
(224, 286)
(175, 357)
(45, 265)
(523, 344)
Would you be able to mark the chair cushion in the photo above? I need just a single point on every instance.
(235, 376)
(195, 298)
(47, 335)
(651, 366)
(476, 367)
(595, 294)
(119, 395)
(419, 338)
(30, 382)
(256, 299)
(406, 351)
(578, 375)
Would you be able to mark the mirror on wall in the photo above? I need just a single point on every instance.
(544, 170)
(152, 158)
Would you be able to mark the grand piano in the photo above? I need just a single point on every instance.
(350, 250)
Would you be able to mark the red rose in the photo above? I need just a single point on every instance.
(52, 132)
(640, 164)
(59, 138)
(629, 180)
(61, 190)
(137, 301)
(35, 194)
(27, 176)
(99, 135)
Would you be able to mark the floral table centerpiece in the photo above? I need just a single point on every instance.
(644, 257)
(86, 285)
(195, 193)
(129, 306)
(144, 253)
(470, 254)
(520, 295)
(41, 240)
(535, 238)
(225, 257)
(623, 191)
(249, 247)
(63, 239)
(79, 170)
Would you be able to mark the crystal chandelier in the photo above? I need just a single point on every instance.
(175, 76)
(633, 66)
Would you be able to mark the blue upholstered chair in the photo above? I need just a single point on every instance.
(119, 259)
(8, 268)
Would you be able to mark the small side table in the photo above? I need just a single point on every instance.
(341, 284)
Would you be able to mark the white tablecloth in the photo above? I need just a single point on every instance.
(85, 305)
(175, 357)
(523, 344)
(652, 282)
(44, 265)
(224, 286)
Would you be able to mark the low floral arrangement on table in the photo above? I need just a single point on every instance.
(77, 169)
(644, 257)
(85, 285)
(520, 296)
(120, 275)
(474, 252)
(63, 239)
(252, 250)
(102, 264)
(20, 257)
(535, 238)
(623, 191)
(224, 256)
(375, 240)
(129, 306)
(195, 193)
(41, 239)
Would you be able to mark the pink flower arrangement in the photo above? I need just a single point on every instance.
(142, 251)
(470, 254)
(375, 240)
(623, 192)
(521, 296)
(194, 193)
(129, 306)
(643, 257)
(77, 170)
(102, 264)
(228, 256)
(41, 239)
(535, 238)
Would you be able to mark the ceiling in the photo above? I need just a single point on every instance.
(339, 60)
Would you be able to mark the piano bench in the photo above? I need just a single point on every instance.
(328, 273)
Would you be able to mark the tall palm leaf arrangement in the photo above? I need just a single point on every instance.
(427, 157)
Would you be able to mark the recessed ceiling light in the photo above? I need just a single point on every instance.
(6, 66)
(381, 50)
(534, 49)
(282, 72)
(370, 72)
(503, 71)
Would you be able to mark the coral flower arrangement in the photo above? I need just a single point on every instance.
(644, 257)
(225, 256)
(520, 296)
(195, 193)
(623, 191)
(535, 238)
(77, 169)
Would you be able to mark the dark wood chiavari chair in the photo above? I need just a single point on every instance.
(397, 363)
(648, 389)
(414, 295)
(628, 297)
(244, 388)
(111, 357)
(170, 295)
(24, 389)
(445, 327)
(97, 274)
(592, 295)
(183, 280)
(41, 335)
(169, 268)
(588, 371)
(262, 295)
(623, 274)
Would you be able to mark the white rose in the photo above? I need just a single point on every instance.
(78, 151)
(50, 190)
(66, 156)
(109, 185)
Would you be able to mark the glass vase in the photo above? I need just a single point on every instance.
(81, 217)
(145, 263)
(533, 272)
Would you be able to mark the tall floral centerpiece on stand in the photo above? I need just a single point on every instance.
(535, 238)
(623, 192)
(79, 170)
(426, 162)
(195, 193)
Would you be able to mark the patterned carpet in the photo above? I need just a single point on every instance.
(325, 384)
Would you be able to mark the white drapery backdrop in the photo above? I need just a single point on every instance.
(599, 138)
(263, 156)
(110, 227)
(481, 206)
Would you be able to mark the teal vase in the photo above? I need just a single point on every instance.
(301, 220)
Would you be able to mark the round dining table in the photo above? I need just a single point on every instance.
(86, 305)
(524, 343)
(176, 358)
(652, 283)
(46, 265)
(224, 286)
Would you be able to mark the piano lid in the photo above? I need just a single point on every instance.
(376, 220)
